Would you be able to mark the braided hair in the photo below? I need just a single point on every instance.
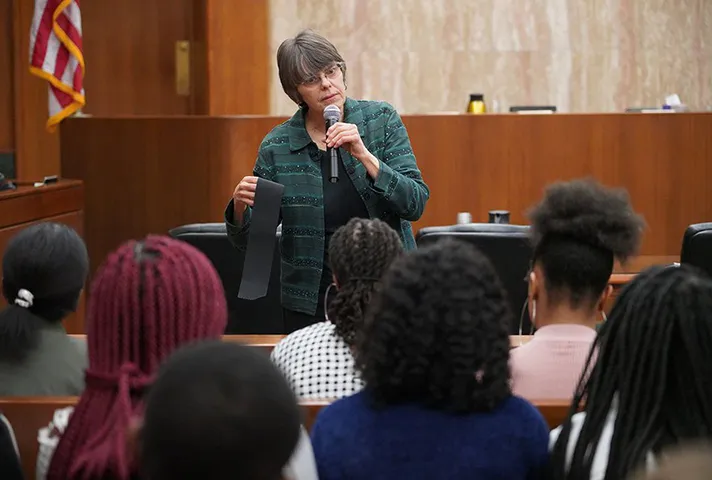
(359, 254)
(653, 367)
(578, 230)
(147, 299)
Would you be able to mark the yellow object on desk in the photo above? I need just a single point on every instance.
(476, 104)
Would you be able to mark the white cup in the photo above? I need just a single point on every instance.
(464, 218)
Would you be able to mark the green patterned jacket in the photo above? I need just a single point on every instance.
(397, 195)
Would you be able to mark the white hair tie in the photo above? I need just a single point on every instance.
(24, 298)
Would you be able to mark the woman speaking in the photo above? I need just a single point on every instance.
(379, 177)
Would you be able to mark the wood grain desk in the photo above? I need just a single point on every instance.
(472, 163)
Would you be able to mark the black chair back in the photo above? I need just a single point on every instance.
(507, 247)
(261, 316)
(697, 246)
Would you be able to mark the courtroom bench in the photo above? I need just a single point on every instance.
(28, 415)
(264, 342)
(268, 342)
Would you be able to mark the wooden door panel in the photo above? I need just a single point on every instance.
(129, 50)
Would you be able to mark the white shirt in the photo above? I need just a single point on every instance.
(600, 458)
(317, 363)
(48, 438)
(301, 466)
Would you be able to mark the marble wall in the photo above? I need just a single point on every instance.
(581, 55)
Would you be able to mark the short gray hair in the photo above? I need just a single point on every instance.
(302, 57)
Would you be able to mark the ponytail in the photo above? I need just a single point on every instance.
(43, 272)
(19, 332)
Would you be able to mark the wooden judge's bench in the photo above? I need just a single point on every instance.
(62, 202)
(149, 174)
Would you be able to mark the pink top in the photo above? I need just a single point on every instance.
(550, 364)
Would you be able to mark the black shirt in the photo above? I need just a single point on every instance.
(10, 468)
(341, 203)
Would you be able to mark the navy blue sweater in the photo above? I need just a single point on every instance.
(351, 440)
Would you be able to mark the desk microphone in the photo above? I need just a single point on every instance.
(6, 184)
(331, 116)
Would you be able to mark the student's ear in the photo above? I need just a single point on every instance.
(605, 298)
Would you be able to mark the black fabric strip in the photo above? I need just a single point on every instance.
(260, 242)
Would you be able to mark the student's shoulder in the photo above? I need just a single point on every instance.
(526, 413)
(576, 424)
(304, 338)
(345, 409)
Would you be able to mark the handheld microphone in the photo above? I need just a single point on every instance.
(331, 116)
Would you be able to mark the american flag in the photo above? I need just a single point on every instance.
(56, 56)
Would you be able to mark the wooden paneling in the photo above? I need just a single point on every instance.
(27, 415)
(199, 54)
(72, 219)
(28, 203)
(148, 175)
(61, 203)
(638, 264)
(130, 58)
(165, 172)
(37, 150)
(484, 162)
(129, 54)
(129, 51)
(7, 82)
(238, 56)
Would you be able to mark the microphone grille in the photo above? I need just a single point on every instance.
(332, 112)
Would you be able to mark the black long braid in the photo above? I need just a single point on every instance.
(653, 368)
(359, 253)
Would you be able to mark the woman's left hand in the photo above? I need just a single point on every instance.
(346, 135)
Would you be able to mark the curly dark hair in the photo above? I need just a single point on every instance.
(651, 362)
(578, 230)
(437, 332)
(359, 254)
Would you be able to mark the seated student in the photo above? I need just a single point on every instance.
(579, 229)
(437, 403)
(10, 468)
(43, 274)
(685, 462)
(317, 360)
(147, 299)
(649, 388)
(222, 411)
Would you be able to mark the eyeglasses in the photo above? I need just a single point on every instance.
(330, 73)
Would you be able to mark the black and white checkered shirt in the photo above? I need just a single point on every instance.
(317, 363)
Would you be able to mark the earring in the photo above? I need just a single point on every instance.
(326, 297)
(533, 317)
(605, 317)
